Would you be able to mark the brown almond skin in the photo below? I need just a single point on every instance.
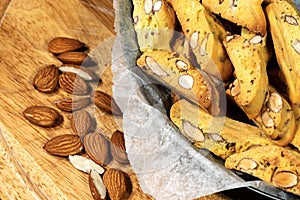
(117, 183)
(118, 149)
(64, 145)
(97, 148)
(42, 116)
(63, 44)
(73, 84)
(81, 122)
(46, 79)
(73, 57)
(73, 104)
(106, 103)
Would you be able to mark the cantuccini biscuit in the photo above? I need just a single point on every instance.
(273, 164)
(205, 34)
(244, 13)
(284, 19)
(154, 23)
(176, 72)
(221, 135)
(251, 84)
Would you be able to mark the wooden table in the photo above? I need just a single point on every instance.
(26, 170)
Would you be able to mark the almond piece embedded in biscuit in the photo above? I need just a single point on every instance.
(291, 20)
(192, 132)
(181, 66)
(204, 44)
(285, 179)
(247, 164)
(148, 6)
(157, 6)
(186, 81)
(267, 120)
(194, 39)
(256, 39)
(296, 46)
(154, 66)
(275, 102)
(235, 89)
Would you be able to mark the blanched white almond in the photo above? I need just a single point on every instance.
(148, 6)
(204, 44)
(154, 66)
(229, 37)
(291, 20)
(296, 46)
(136, 19)
(246, 43)
(216, 137)
(186, 81)
(256, 39)
(74, 70)
(157, 6)
(267, 120)
(194, 40)
(275, 102)
(247, 164)
(98, 183)
(84, 164)
(235, 89)
(285, 179)
(181, 66)
(194, 133)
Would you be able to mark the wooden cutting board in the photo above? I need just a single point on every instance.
(26, 170)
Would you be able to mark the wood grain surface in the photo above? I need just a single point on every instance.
(26, 170)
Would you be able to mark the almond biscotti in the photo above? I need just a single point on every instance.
(221, 135)
(251, 85)
(205, 34)
(272, 164)
(154, 23)
(176, 72)
(284, 19)
(244, 13)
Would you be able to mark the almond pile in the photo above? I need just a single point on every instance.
(87, 149)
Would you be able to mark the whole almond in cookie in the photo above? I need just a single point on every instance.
(42, 116)
(117, 146)
(73, 84)
(46, 79)
(64, 145)
(106, 103)
(63, 44)
(97, 148)
(73, 104)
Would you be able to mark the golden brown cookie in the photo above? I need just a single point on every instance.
(272, 164)
(154, 23)
(176, 72)
(251, 84)
(244, 13)
(221, 135)
(284, 19)
(205, 34)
